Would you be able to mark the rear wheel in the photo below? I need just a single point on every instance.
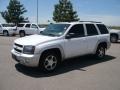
(113, 38)
(100, 53)
(5, 33)
(49, 61)
(22, 34)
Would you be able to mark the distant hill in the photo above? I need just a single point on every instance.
(114, 27)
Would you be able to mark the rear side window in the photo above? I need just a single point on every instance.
(102, 28)
(28, 25)
(91, 30)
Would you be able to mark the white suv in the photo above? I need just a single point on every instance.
(61, 41)
(28, 29)
(7, 29)
(114, 35)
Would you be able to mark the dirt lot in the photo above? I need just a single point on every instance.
(83, 73)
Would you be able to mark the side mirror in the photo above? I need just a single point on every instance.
(70, 35)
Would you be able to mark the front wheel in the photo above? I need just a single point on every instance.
(49, 61)
(100, 53)
(22, 34)
(113, 38)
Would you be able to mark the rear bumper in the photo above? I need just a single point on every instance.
(108, 45)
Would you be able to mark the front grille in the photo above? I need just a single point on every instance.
(18, 47)
(17, 50)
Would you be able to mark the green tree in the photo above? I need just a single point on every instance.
(14, 12)
(64, 12)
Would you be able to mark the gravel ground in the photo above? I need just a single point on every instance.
(83, 73)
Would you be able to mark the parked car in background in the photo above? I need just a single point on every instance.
(114, 35)
(61, 41)
(24, 29)
(7, 29)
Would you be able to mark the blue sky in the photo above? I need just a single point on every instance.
(106, 11)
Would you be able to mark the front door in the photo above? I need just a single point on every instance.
(76, 44)
(34, 29)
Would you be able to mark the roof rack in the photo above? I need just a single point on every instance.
(91, 21)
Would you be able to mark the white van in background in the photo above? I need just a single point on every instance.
(7, 29)
(24, 29)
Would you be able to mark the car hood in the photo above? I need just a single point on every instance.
(34, 40)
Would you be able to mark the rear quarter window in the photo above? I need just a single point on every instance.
(102, 28)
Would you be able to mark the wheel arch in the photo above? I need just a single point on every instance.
(21, 31)
(114, 34)
(101, 43)
(6, 30)
(57, 50)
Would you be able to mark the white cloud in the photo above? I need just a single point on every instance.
(107, 19)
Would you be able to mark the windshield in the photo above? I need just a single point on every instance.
(55, 29)
(43, 26)
(8, 25)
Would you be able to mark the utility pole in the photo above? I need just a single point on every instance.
(37, 11)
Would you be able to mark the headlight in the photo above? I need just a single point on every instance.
(28, 49)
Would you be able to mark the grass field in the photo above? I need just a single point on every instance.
(115, 27)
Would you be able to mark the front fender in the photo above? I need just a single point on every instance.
(40, 49)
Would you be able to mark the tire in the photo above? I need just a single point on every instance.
(100, 53)
(22, 33)
(49, 62)
(113, 38)
(5, 33)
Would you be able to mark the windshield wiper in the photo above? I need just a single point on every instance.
(50, 34)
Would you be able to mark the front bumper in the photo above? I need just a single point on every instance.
(27, 60)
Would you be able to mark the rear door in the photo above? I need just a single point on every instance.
(92, 37)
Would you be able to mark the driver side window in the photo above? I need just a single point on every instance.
(34, 26)
(77, 31)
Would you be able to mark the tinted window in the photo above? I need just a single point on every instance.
(102, 28)
(34, 26)
(91, 30)
(27, 25)
(20, 25)
(77, 30)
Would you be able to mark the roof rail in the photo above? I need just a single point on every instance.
(91, 21)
